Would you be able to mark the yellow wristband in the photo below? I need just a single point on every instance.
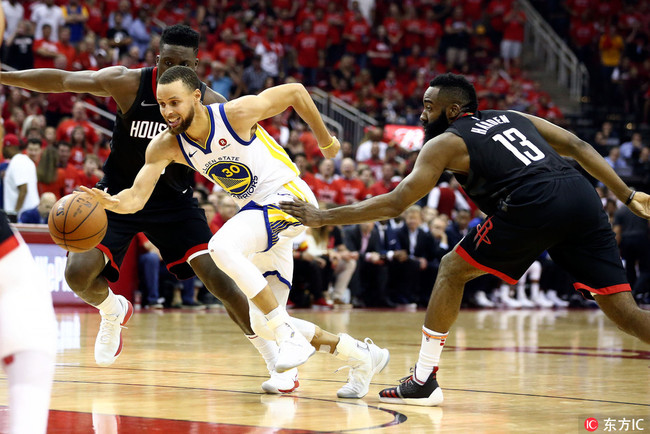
(328, 146)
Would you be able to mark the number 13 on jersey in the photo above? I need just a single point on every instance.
(512, 139)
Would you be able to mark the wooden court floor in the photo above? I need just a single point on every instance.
(502, 371)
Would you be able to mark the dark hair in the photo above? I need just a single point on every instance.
(180, 35)
(183, 73)
(46, 170)
(456, 89)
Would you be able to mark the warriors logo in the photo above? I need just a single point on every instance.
(233, 177)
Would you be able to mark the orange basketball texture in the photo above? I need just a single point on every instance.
(77, 222)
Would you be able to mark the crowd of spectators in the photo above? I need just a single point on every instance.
(612, 38)
(377, 56)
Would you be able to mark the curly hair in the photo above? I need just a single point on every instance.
(180, 35)
(456, 89)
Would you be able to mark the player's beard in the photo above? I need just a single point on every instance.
(435, 128)
(184, 125)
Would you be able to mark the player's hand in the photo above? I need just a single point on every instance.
(640, 205)
(306, 213)
(106, 200)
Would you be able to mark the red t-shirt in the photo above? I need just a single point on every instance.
(307, 46)
(359, 30)
(65, 128)
(325, 192)
(350, 190)
(514, 29)
(223, 51)
(42, 61)
(381, 187)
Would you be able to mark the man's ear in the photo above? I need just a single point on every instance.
(157, 58)
(197, 94)
(453, 111)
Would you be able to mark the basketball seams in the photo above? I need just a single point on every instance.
(85, 217)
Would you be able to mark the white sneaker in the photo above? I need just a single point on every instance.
(108, 344)
(542, 301)
(525, 302)
(294, 350)
(365, 363)
(551, 295)
(282, 382)
(481, 299)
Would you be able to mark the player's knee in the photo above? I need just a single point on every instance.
(220, 251)
(78, 276)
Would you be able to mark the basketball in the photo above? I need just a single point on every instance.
(77, 222)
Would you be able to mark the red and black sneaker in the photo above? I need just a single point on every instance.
(411, 392)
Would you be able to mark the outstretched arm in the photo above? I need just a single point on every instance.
(133, 199)
(445, 151)
(46, 80)
(243, 113)
(568, 144)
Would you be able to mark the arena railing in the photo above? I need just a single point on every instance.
(545, 45)
(350, 121)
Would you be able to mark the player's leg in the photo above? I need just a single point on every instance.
(225, 289)
(626, 314)
(27, 337)
(85, 274)
(365, 359)
(247, 233)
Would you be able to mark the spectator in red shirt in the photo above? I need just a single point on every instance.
(351, 188)
(345, 93)
(308, 48)
(45, 49)
(65, 128)
(226, 209)
(376, 160)
(326, 191)
(584, 37)
(513, 36)
(380, 54)
(412, 27)
(66, 48)
(432, 31)
(305, 170)
(335, 23)
(69, 174)
(91, 173)
(227, 48)
(49, 175)
(321, 28)
(496, 10)
(457, 37)
(390, 85)
(386, 184)
(392, 23)
(357, 35)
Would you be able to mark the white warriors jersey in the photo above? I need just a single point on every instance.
(248, 170)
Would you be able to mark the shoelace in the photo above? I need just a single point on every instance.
(408, 377)
(106, 329)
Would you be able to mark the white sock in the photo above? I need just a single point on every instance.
(30, 375)
(268, 350)
(110, 305)
(432, 344)
(279, 321)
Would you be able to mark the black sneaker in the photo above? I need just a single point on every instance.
(411, 392)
